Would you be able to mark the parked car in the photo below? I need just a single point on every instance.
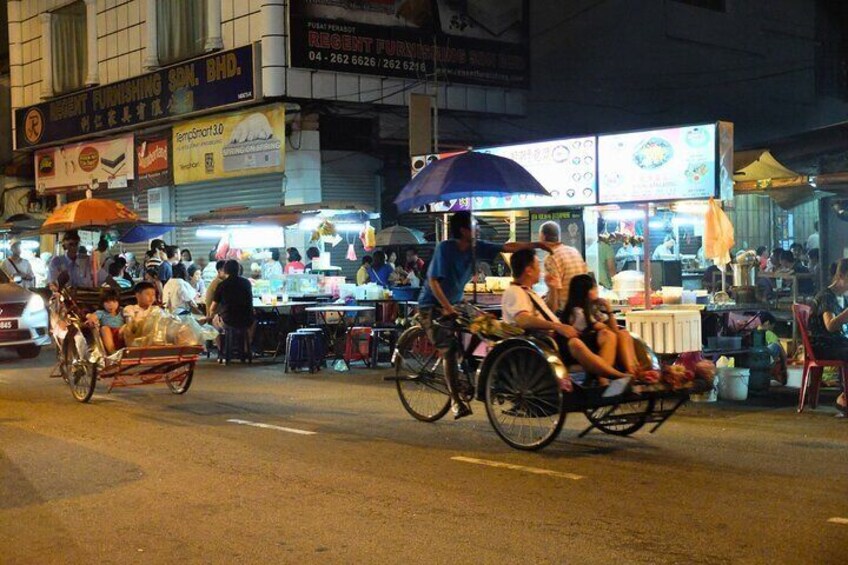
(23, 319)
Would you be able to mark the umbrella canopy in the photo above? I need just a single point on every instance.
(89, 213)
(466, 175)
(399, 236)
(144, 231)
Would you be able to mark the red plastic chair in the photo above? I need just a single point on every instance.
(358, 346)
(813, 368)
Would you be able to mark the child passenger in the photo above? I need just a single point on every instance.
(109, 321)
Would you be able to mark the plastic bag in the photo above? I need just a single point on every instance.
(368, 237)
(725, 362)
(351, 252)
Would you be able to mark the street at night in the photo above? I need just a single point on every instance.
(144, 476)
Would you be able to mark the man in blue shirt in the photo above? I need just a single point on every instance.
(450, 270)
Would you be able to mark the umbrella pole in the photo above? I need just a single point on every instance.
(473, 252)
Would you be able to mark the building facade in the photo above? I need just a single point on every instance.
(338, 80)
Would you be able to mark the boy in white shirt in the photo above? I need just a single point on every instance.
(526, 309)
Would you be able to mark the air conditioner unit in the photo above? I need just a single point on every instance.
(418, 162)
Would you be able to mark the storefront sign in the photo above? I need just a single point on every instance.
(660, 165)
(247, 142)
(80, 166)
(153, 156)
(480, 42)
(205, 83)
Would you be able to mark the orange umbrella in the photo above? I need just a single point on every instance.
(89, 213)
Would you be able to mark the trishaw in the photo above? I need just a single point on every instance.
(82, 357)
(524, 384)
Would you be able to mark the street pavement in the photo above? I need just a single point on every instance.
(229, 473)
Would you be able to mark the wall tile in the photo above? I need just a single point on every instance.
(227, 10)
(323, 85)
(227, 34)
(111, 21)
(123, 41)
(111, 45)
(242, 32)
(114, 73)
(133, 13)
(256, 26)
(135, 37)
(135, 63)
(123, 12)
(299, 83)
(240, 8)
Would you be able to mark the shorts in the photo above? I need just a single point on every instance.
(117, 337)
(443, 338)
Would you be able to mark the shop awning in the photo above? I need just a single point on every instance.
(279, 215)
(759, 172)
(759, 164)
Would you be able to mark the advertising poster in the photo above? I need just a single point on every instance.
(470, 41)
(153, 159)
(237, 144)
(96, 164)
(570, 225)
(212, 81)
(653, 166)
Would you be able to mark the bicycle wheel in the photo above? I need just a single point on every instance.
(621, 419)
(181, 383)
(421, 381)
(79, 372)
(523, 398)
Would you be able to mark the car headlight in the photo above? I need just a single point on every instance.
(35, 304)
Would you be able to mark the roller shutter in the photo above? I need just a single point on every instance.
(350, 178)
(202, 198)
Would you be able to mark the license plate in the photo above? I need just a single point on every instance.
(8, 324)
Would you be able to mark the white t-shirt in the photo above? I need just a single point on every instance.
(134, 313)
(177, 294)
(813, 241)
(517, 299)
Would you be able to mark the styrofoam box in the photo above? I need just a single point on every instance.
(667, 331)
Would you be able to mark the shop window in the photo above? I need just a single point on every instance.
(69, 47)
(714, 5)
(181, 28)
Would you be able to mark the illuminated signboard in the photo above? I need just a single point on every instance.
(565, 167)
(659, 165)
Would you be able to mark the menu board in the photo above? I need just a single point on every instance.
(658, 165)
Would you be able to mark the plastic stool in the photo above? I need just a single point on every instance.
(300, 350)
(320, 344)
(236, 342)
(383, 336)
(358, 345)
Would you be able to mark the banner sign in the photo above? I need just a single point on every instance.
(476, 42)
(237, 144)
(659, 165)
(80, 166)
(153, 158)
(205, 83)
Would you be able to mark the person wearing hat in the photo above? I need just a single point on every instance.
(17, 266)
(72, 262)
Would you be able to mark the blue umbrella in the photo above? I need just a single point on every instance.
(466, 175)
(145, 231)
